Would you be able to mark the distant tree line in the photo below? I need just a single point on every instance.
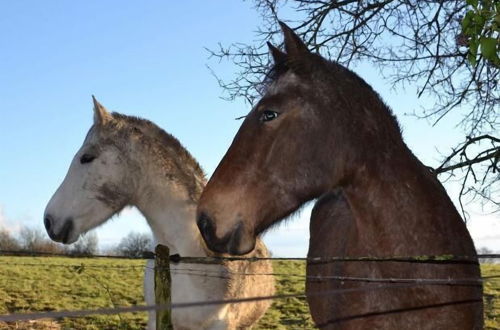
(134, 245)
(484, 251)
(28, 239)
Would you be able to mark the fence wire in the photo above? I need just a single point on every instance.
(106, 311)
(229, 274)
(176, 260)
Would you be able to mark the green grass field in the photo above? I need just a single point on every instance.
(50, 284)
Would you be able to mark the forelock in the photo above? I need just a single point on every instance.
(287, 79)
(284, 74)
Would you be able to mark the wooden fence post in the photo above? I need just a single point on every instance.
(162, 287)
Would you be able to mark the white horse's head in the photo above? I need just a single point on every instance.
(97, 184)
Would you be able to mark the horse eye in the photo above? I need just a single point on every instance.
(268, 115)
(86, 158)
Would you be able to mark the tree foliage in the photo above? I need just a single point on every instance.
(134, 245)
(34, 240)
(480, 27)
(448, 50)
(86, 245)
(485, 251)
(8, 242)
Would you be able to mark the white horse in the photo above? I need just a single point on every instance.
(130, 161)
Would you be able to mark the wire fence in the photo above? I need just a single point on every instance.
(176, 258)
(107, 311)
(177, 269)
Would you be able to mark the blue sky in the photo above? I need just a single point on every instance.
(145, 59)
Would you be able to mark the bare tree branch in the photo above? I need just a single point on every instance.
(412, 42)
(485, 151)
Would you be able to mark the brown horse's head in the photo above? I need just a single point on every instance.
(289, 149)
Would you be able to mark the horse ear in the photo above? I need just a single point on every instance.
(101, 115)
(278, 55)
(294, 46)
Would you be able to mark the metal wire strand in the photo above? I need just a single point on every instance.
(107, 311)
(438, 259)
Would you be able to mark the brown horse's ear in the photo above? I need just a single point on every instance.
(294, 46)
(278, 56)
(296, 50)
(101, 115)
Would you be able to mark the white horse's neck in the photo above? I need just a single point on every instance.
(170, 213)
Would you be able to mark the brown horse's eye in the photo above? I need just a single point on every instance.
(268, 115)
(86, 158)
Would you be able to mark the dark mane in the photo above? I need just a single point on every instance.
(273, 74)
(336, 70)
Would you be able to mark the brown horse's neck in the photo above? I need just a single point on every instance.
(400, 208)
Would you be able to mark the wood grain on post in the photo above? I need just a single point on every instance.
(162, 287)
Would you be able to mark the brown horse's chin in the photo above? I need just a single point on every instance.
(242, 246)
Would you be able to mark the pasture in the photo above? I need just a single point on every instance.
(58, 283)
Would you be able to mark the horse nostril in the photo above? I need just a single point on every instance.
(207, 230)
(205, 225)
(47, 221)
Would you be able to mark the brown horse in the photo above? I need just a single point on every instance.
(321, 132)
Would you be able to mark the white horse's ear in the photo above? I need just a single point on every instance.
(101, 115)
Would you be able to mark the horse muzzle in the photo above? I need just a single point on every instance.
(236, 242)
(61, 235)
